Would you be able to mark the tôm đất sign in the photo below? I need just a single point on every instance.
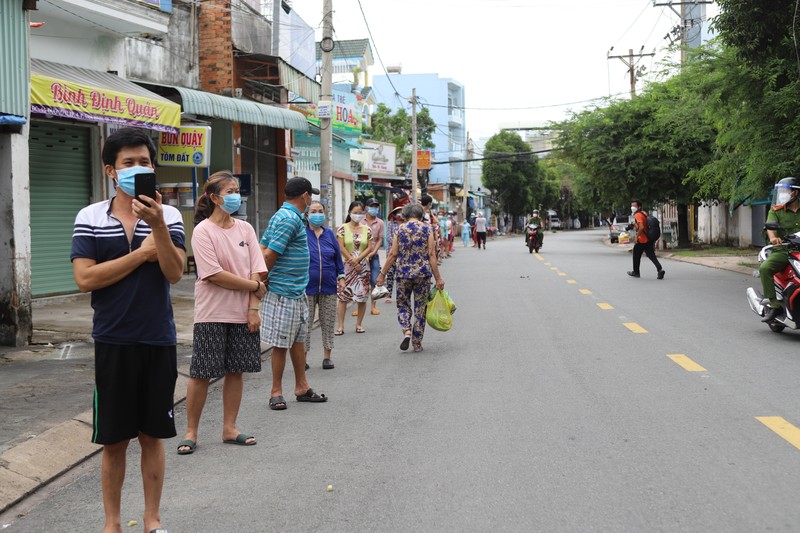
(190, 147)
(68, 99)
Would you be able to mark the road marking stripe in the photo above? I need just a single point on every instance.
(605, 307)
(562, 273)
(686, 363)
(548, 264)
(782, 427)
(634, 327)
(571, 281)
(553, 268)
(585, 291)
(539, 257)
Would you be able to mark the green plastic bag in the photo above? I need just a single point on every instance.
(439, 314)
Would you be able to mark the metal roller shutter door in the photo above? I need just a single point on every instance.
(60, 186)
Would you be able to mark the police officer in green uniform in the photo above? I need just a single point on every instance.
(786, 213)
(537, 221)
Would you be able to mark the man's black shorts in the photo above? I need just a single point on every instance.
(134, 391)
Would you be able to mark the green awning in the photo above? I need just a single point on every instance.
(239, 110)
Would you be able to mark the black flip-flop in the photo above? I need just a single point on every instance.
(313, 397)
(277, 403)
(338, 332)
(405, 343)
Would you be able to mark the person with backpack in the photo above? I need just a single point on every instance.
(648, 231)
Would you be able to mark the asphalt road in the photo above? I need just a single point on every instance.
(541, 410)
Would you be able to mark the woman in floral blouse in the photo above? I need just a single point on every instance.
(354, 239)
(414, 250)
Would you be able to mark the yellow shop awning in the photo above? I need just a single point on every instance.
(93, 96)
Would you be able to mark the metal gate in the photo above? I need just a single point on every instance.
(60, 186)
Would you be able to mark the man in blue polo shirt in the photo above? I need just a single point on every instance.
(126, 251)
(284, 309)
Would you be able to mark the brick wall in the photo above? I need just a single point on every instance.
(215, 46)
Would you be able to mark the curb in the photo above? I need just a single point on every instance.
(33, 464)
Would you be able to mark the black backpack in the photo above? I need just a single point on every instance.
(653, 228)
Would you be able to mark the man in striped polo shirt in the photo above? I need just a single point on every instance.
(284, 309)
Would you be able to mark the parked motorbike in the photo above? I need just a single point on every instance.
(787, 285)
(532, 238)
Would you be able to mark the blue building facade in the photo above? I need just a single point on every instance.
(444, 99)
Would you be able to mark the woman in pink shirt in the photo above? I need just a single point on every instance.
(227, 294)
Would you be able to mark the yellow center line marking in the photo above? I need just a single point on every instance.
(789, 432)
(686, 363)
(539, 257)
(553, 268)
(585, 291)
(634, 327)
(605, 307)
(571, 281)
(548, 264)
(562, 273)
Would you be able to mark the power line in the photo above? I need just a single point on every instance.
(377, 53)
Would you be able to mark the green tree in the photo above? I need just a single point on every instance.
(512, 172)
(395, 128)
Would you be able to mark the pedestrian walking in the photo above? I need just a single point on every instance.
(426, 201)
(325, 279)
(394, 219)
(414, 250)
(127, 251)
(643, 244)
(354, 241)
(376, 226)
(480, 230)
(465, 232)
(227, 294)
(284, 309)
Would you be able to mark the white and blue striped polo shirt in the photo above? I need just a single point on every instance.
(286, 235)
(136, 309)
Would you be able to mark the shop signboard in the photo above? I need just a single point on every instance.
(380, 157)
(345, 111)
(68, 99)
(190, 147)
(423, 159)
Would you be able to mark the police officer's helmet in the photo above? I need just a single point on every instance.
(788, 183)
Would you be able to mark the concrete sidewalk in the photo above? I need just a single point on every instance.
(46, 388)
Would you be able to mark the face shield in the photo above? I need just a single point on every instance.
(782, 194)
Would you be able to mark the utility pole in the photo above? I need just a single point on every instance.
(414, 145)
(276, 32)
(465, 182)
(326, 124)
(631, 64)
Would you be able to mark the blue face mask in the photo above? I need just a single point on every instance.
(126, 178)
(231, 202)
(316, 219)
(373, 211)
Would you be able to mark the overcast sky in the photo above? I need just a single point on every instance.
(529, 55)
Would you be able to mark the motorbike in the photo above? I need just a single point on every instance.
(532, 238)
(787, 286)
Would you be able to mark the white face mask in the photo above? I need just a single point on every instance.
(356, 218)
(634, 209)
(784, 197)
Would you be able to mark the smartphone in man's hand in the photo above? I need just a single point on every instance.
(145, 185)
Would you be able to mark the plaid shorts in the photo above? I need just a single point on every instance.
(283, 320)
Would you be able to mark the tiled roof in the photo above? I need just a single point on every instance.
(350, 48)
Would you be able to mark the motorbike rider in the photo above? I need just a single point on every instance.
(785, 212)
(537, 221)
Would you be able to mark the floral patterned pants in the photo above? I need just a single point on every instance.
(420, 288)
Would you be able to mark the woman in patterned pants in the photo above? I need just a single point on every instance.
(325, 278)
(414, 251)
